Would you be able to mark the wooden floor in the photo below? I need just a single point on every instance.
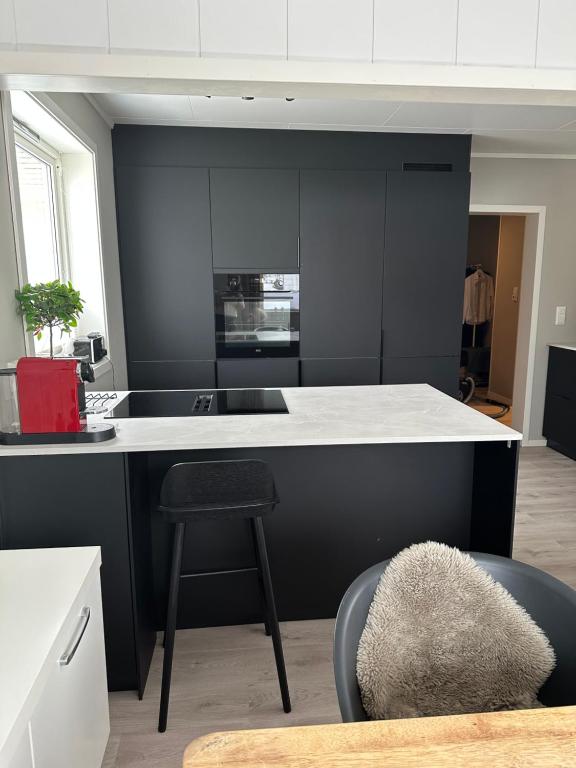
(225, 678)
(479, 403)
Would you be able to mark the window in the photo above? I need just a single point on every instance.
(55, 173)
(41, 205)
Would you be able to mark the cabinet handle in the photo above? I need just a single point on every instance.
(68, 655)
(298, 251)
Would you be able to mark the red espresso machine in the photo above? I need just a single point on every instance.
(51, 405)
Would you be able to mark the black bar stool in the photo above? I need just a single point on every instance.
(219, 490)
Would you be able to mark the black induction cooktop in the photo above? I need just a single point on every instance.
(198, 402)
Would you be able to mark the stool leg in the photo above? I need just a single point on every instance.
(260, 579)
(272, 616)
(171, 623)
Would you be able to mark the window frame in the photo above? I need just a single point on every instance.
(51, 157)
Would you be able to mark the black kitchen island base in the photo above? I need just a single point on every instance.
(342, 509)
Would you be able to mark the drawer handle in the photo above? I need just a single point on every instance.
(68, 655)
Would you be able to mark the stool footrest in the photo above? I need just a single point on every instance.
(218, 573)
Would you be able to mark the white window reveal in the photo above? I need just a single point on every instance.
(56, 173)
(41, 205)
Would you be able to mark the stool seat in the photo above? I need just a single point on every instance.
(218, 511)
(219, 490)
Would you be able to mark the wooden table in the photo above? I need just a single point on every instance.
(537, 738)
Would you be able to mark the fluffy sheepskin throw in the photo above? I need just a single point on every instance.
(442, 637)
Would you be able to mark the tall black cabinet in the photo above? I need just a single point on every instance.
(380, 248)
(342, 216)
(166, 264)
(423, 284)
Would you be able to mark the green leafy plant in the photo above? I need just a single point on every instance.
(49, 305)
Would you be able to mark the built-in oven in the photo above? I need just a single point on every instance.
(257, 315)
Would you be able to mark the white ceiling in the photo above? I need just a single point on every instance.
(496, 128)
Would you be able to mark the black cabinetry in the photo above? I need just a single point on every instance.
(381, 251)
(254, 219)
(45, 503)
(424, 267)
(559, 426)
(339, 372)
(166, 263)
(424, 263)
(341, 250)
(269, 372)
(440, 372)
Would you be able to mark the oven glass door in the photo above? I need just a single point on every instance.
(258, 323)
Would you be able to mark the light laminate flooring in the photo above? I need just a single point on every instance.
(224, 678)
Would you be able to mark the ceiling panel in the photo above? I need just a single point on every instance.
(496, 128)
(481, 116)
(328, 111)
(139, 25)
(330, 29)
(497, 32)
(128, 106)
(525, 142)
(415, 31)
(243, 28)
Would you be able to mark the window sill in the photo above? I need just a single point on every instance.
(102, 367)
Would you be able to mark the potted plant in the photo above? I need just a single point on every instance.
(50, 305)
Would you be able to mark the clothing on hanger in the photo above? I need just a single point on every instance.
(478, 298)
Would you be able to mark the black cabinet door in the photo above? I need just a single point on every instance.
(559, 425)
(166, 263)
(342, 217)
(172, 374)
(561, 378)
(424, 263)
(342, 372)
(439, 372)
(271, 372)
(46, 502)
(254, 219)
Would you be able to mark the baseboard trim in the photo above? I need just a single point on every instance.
(533, 443)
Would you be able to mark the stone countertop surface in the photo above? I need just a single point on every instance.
(398, 413)
(562, 345)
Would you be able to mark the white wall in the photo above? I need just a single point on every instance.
(83, 116)
(550, 183)
(515, 33)
(83, 239)
(11, 329)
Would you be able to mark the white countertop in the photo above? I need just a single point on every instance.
(561, 345)
(399, 413)
(37, 591)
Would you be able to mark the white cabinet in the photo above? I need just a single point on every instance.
(70, 723)
(56, 713)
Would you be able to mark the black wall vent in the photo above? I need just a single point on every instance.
(446, 167)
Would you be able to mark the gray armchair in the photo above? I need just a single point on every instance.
(550, 602)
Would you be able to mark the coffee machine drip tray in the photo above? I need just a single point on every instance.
(90, 433)
(198, 402)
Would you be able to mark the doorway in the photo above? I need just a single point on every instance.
(507, 241)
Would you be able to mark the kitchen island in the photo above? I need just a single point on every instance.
(361, 473)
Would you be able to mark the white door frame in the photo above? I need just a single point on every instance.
(533, 301)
